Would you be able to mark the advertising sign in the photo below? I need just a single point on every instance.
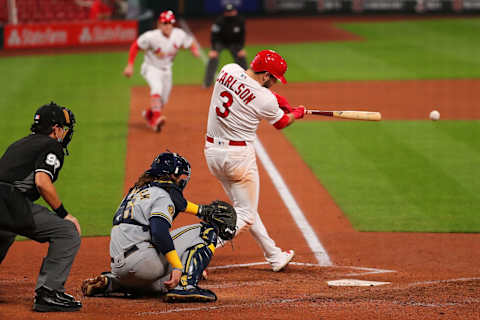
(47, 35)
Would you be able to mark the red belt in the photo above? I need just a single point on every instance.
(231, 142)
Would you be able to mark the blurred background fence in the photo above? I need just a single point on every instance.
(70, 23)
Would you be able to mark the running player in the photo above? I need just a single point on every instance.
(161, 46)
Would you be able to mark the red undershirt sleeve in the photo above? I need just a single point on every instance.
(282, 123)
(132, 54)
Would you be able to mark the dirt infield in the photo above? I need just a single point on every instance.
(429, 276)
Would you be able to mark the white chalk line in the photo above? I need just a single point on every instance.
(308, 233)
(365, 270)
(329, 301)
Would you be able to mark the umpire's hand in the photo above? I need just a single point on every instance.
(75, 222)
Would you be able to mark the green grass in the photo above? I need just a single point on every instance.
(91, 182)
(392, 50)
(397, 175)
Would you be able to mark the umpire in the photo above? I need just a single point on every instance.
(228, 32)
(28, 169)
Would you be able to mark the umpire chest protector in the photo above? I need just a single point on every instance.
(229, 30)
(34, 153)
(18, 165)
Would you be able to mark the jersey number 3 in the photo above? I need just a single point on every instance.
(226, 104)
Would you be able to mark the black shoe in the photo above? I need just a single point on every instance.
(48, 300)
(69, 298)
(195, 294)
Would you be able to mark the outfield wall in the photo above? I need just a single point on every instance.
(73, 34)
(118, 32)
(194, 8)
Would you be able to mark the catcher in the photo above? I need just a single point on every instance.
(146, 258)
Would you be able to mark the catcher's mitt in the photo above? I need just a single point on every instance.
(221, 215)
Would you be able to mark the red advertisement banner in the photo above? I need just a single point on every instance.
(47, 35)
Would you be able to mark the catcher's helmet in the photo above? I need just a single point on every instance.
(270, 61)
(50, 115)
(167, 17)
(168, 163)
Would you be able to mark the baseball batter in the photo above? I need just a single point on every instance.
(145, 256)
(160, 46)
(240, 100)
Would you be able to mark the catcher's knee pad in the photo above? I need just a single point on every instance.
(197, 259)
(208, 233)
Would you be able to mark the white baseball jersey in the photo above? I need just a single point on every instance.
(238, 105)
(160, 50)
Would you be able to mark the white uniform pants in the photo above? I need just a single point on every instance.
(236, 168)
(159, 81)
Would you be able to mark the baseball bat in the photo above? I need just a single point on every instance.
(353, 115)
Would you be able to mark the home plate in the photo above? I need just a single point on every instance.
(355, 283)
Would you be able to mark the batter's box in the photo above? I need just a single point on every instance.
(249, 274)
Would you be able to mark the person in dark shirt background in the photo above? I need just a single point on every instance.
(228, 32)
(28, 169)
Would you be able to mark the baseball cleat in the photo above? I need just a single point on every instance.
(157, 121)
(147, 114)
(95, 286)
(48, 300)
(195, 294)
(285, 258)
(158, 124)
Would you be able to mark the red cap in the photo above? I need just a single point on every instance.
(270, 61)
(167, 17)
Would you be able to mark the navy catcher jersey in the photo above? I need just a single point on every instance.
(132, 218)
(25, 157)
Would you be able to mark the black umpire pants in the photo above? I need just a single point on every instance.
(64, 241)
(212, 64)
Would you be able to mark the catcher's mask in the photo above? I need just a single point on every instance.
(169, 163)
(49, 115)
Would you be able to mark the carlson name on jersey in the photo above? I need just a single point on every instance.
(239, 88)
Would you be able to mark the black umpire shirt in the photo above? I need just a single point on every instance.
(25, 157)
(228, 30)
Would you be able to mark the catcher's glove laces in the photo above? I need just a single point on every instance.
(223, 243)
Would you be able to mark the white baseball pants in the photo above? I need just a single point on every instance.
(236, 169)
(159, 81)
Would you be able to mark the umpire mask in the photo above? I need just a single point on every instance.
(50, 115)
(68, 128)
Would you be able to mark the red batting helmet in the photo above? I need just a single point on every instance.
(167, 17)
(270, 61)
